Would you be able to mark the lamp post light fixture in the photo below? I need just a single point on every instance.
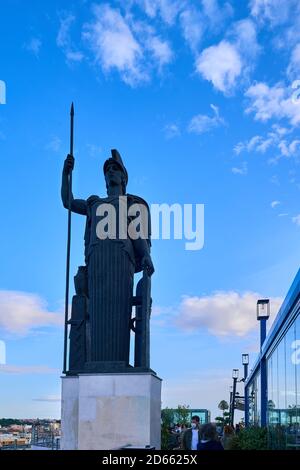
(245, 362)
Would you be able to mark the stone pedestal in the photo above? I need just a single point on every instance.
(109, 411)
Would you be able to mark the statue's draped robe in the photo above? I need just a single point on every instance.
(111, 264)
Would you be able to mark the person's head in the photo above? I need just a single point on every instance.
(208, 432)
(115, 172)
(114, 176)
(228, 430)
(195, 422)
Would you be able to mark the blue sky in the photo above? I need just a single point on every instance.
(197, 97)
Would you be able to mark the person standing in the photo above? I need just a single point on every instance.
(191, 437)
(227, 437)
(209, 439)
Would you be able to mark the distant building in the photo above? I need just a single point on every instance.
(204, 415)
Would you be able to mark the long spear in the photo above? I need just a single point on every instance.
(68, 242)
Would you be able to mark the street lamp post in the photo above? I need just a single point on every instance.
(263, 313)
(235, 376)
(245, 362)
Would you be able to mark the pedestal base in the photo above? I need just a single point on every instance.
(109, 411)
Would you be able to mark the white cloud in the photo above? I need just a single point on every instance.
(293, 70)
(63, 39)
(33, 46)
(215, 14)
(274, 11)
(161, 50)
(114, 45)
(18, 370)
(273, 140)
(232, 59)
(244, 35)
(122, 44)
(193, 26)
(289, 149)
(241, 170)
(222, 313)
(54, 145)
(167, 9)
(267, 102)
(20, 312)
(221, 65)
(74, 56)
(296, 220)
(274, 204)
(202, 123)
(94, 150)
(172, 130)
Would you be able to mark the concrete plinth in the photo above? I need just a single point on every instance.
(108, 411)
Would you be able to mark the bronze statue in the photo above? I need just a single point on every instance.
(110, 266)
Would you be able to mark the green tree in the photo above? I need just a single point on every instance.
(169, 417)
(223, 406)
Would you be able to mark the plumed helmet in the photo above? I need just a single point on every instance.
(116, 158)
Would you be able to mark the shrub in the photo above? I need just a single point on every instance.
(252, 438)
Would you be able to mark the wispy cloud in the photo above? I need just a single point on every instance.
(161, 50)
(27, 370)
(33, 45)
(192, 26)
(54, 144)
(272, 140)
(48, 398)
(130, 47)
(293, 70)
(167, 10)
(64, 41)
(202, 123)
(272, 102)
(216, 13)
(94, 150)
(114, 45)
(275, 12)
(275, 204)
(240, 170)
(172, 130)
(296, 219)
(20, 312)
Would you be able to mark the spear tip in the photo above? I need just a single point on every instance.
(72, 109)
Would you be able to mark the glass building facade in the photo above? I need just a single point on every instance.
(281, 351)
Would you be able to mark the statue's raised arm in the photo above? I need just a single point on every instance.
(77, 205)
